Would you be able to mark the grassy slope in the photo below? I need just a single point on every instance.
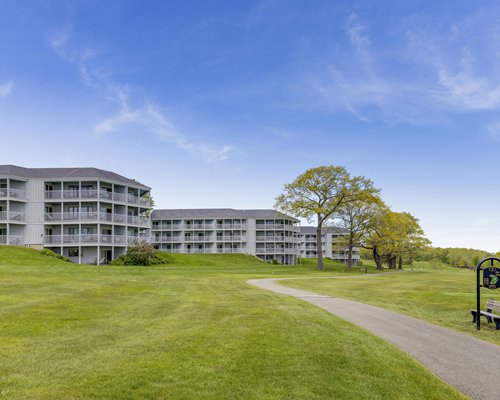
(191, 329)
(439, 294)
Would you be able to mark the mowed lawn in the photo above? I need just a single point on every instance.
(191, 329)
(433, 292)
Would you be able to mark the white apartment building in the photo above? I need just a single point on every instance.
(268, 234)
(91, 215)
(87, 214)
(308, 244)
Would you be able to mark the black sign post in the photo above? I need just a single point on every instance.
(491, 280)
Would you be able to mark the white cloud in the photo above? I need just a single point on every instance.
(423, 74)
(147, 117)
(6, 89)
(152, 120)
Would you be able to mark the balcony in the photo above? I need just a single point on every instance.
(94, 216)
(11, 216)
(269, 226)
(16, 194)
(231, 226)
(230, 251)
(230, 239)
(270, 238)
(90, 194)
(198, 239)
(89, 239)
(276, 251)
(194, 226)
(15, 240)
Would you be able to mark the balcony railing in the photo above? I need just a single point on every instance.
(230, 239)
(271, 226)
(93, 194)
(91, 239)
(195, 226)
(199, 239)
(12, 240)
(231, 226)
(230, 251)
(260, 250)
(13, 216)
(13, 193)
(270, 238)
(90, 216)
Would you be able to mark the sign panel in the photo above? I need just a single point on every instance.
(491, 277)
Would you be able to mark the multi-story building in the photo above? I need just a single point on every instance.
(268, 234)
(91, 216)
(329, 236)
(87, 214)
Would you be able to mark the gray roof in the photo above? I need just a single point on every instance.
(213, 213)
(64, 173)
(326, 229)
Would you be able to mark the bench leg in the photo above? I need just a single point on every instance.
(497, 324)
(473, 316)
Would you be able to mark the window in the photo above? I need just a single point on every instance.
(73, 231)
(73, 252)
(87, 231)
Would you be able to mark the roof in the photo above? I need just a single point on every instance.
(212, 213)
(325, 229)
(63, 173)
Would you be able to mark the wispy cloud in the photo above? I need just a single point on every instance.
(148, 116)
(6, 89)
(437, 71)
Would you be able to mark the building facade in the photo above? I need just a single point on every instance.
(87, 214)
(267, 234)
(91, 215)
(329, 235)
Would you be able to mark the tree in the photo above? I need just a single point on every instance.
(318, 193)
(395, 236)
(358, 218)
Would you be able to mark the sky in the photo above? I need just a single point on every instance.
(221, 103)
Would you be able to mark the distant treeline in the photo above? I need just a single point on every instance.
(456, 257)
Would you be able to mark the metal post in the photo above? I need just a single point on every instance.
(478, 296)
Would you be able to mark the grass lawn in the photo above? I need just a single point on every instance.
(433, 292)
(191, 329)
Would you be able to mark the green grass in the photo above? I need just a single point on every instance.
(192, 329)
(433, 292)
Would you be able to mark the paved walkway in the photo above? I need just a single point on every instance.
(469, 364)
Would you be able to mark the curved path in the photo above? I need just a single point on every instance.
(469, 364)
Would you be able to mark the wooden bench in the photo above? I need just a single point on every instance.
(492, 307)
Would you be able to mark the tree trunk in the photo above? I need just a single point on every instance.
(319, 247)
(400, 262)
(349, 257)
(392, 262)
(377, 258)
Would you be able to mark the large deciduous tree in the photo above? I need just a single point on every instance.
(395, 236)
(318, 193)
(358, 219)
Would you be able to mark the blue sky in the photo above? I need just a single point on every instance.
(219, 103)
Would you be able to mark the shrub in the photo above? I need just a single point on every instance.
(139, 253)
(50, 253)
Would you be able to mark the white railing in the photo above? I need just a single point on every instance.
(276, 251)
(230, 239)
(230, 251)
(270, 238)
(95, 216)
(194, 226)
(91, 238)
(231, 226)
(270, 226)
(12, 193)
(84, 194)
(12, 240)
(11, 216)
(199, 239)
